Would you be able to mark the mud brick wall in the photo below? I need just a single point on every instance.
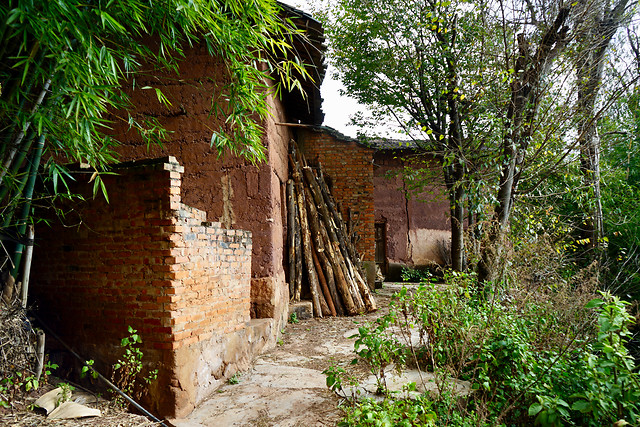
(349, 167)
(229, 189)
(147, 260)
(414, 226)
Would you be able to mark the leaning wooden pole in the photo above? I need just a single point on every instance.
(306, 236)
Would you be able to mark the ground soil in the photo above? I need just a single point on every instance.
(285, 386)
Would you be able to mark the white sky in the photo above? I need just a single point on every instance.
(337, 108)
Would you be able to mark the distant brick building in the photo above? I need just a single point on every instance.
(396, 228)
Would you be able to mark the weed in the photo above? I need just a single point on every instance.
(127, 371)
(293, 318)
(65, 393)
(234, 379)
(533, 355)
(87, 369)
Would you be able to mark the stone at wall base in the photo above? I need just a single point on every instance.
(302, 309)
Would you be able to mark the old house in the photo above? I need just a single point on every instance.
(397, 227)
(189, 249)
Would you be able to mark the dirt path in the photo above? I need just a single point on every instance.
(286, 386)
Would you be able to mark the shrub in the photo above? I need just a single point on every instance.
(532, 355)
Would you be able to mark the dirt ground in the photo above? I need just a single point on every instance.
(285, 386)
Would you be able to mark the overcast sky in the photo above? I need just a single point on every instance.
(337, 108)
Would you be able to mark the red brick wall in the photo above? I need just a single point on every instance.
(145, 260)
(350, 167)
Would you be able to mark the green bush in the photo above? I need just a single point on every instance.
(540, 355)
(414, 275)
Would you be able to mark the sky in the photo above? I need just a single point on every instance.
(337, 108)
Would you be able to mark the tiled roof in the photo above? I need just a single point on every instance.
(390, 144)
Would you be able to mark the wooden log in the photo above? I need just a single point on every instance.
(369, 301)
(341, 230)
(335, 231)
(314, 192)
(326, 300)
(291, 236)
(298, 243)
(341, 281)
(306, 239)
(351, 282)
(331, 282)
(318, 245)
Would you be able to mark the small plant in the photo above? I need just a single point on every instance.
(127, 370)
(338, 377)
(87, 369)
(65, 393)
(293, 318)
(377, 346)
(234, 379)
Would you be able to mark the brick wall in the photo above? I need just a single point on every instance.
(146, 260)
(228, 188)
(349, 166)
(414, 226)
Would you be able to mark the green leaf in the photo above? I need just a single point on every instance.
(596, 302)
(534, 409)
(581, 406)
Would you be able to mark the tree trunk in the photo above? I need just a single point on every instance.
(291, 236)
(589, 71)
(520, 125)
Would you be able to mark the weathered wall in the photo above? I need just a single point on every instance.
(229, 189)
(414, 225)
(147, 260)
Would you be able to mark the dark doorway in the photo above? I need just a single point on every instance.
(381, 246)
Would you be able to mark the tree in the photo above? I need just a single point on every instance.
(64, 64)
(407, 61)
(605, 20)
(487, 86)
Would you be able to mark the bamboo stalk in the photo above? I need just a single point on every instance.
(21, 134)
(39, 352)
(28, 196)
(15, 168)
(291, 236)
(26, 271)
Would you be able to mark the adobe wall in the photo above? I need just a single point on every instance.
(149, 261)
(414, 224)
(229, 189)
(349, 167)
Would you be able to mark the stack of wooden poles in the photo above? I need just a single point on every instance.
(320, 249)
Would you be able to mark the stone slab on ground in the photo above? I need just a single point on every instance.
(286, 387)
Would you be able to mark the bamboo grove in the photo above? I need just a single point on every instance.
(64, 65)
